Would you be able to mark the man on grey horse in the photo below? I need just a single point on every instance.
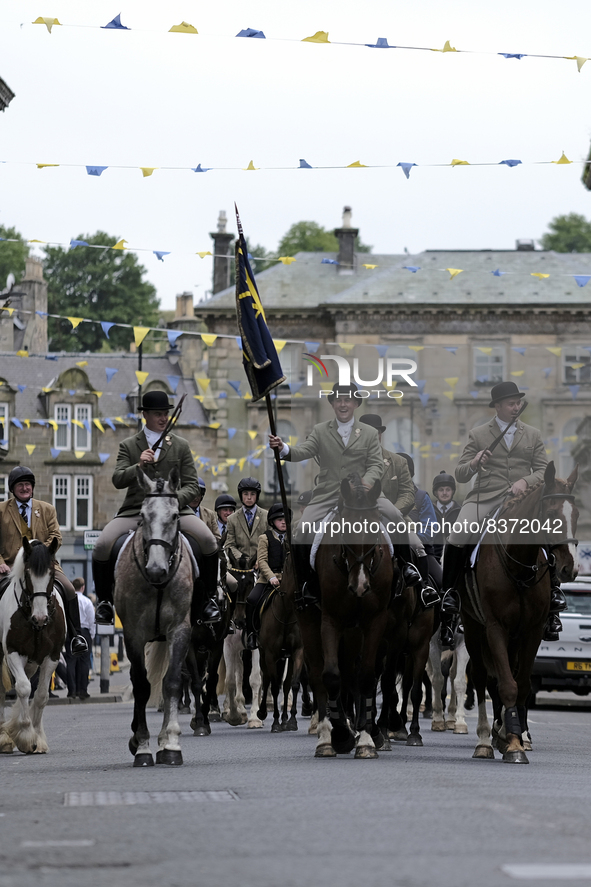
(342, 446)
(516, 464)
(156, 463)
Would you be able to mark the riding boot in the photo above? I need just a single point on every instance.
(308, 592)
(558, 602)
(453, 564)
(78, 644)
(103, 573)
(204, 606)
(429, 596)
(251, 635)
(552, 628)
(410, 574)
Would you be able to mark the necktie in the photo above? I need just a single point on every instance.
(443, 509)
(281, 538)
(249, 518)
(24, 514)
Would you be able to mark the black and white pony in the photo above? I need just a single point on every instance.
(33, 631)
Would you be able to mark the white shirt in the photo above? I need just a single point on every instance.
(86, 613)
(152, 437)
(508, 438)
(343, 428)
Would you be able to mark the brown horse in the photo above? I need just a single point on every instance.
(280, 641)
(506, 599)
(341, 641)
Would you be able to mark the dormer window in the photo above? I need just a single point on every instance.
(74, 426)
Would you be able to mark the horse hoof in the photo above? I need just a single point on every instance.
(515, 757)
(170, 756)
(133, 745)
(236, 721)
(399, 735)
(342, 740)
(414, 739)
(255, 724)
(291, 726)
(450, 725)
(325, 750)
(276, 727)
(143, 760)
(202, 730)
(214, 715)
(461, 728)
(428, 713)
(378, 740)
(366, 752)
(438, 727)
(484, 752)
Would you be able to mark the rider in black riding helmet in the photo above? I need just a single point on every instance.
(25, 516)
(270, 558)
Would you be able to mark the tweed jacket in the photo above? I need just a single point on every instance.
(526, 460)
(210, 519)
(242, 541)
(362, 456)
(175, 451)
(397, 485)
(44, 526)
(265, 571)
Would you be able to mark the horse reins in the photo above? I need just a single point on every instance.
(359, 559)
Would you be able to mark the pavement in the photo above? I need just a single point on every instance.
(253, 808)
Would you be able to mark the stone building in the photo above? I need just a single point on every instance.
(510, 314)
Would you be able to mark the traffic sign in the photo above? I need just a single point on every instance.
(90, 537)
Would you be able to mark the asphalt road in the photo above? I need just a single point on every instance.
(280, 818)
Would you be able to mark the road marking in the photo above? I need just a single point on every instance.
(113, 799)
(549, 872)
(83, 842)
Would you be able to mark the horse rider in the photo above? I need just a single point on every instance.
(422, 515)
(25, 516)
(243, 530)
(398, 487)
(173, 451)
(516, 464)
(270, 559)
(208, 516)
(225, 505)
(342, 446)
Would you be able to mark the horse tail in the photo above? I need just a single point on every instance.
(6, 681)
(156, 653)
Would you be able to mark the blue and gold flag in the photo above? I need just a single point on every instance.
(260, 358)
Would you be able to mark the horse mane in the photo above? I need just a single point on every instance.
(357, 489)
(39, 562)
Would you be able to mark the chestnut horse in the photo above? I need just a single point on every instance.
(506, 599)
(355, 579)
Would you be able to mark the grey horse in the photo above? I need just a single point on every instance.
(153, 590)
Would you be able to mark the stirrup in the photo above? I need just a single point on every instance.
(411, 575)
(78, 645)
(429, 597)
(105, 613)
(450, 603)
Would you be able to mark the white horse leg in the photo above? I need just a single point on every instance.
(169, 747)
(484, 747)
(236, 714)
(324, 748)
(459, 687)
(365, 746)
(438, 723)
(313, 728)
(19, 728)
(254, 722)
(39, 702)
(450, 721)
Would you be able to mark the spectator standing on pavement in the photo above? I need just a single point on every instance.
(79, 666)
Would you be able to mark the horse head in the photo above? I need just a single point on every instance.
(160, 523)
(34, 569)
(558, 507)
(361, 533)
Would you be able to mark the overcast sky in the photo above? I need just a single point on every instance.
(150, 98)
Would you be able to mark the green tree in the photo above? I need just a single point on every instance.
(569, 234)
(310, 237)
(12, 255)
(101, 284)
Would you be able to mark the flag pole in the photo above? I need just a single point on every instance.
(278, 465)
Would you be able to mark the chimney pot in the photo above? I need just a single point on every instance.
(346, 237)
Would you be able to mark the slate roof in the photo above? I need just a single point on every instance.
(37, 372)
(307, 283)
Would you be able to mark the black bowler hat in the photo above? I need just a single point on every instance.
(155, 400)
(503, 390)
(344, 390)
(374, 420)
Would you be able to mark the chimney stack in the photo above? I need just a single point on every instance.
(184, 306)
(346, 236)
(222, 246)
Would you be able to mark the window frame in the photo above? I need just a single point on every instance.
(477, 355)
(68, 479)
(89, 498)
(79, 407)
(67, 423)
(581, 351)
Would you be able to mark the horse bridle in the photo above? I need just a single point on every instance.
(170, 547)
(359, 559)
(28, 594)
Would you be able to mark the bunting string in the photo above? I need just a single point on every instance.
(318, 37)
(405, 166)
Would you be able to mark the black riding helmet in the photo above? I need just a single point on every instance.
(249, 483)
(276, 511)
(202, 486)
(410, 461)
(443, 480)
(225, 501)
(20, 473)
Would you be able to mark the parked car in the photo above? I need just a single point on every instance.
(566, 664)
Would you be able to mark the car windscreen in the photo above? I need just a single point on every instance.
(578, 602)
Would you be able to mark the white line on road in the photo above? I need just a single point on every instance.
(549, 872)
(112, 799)
(83, 842)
